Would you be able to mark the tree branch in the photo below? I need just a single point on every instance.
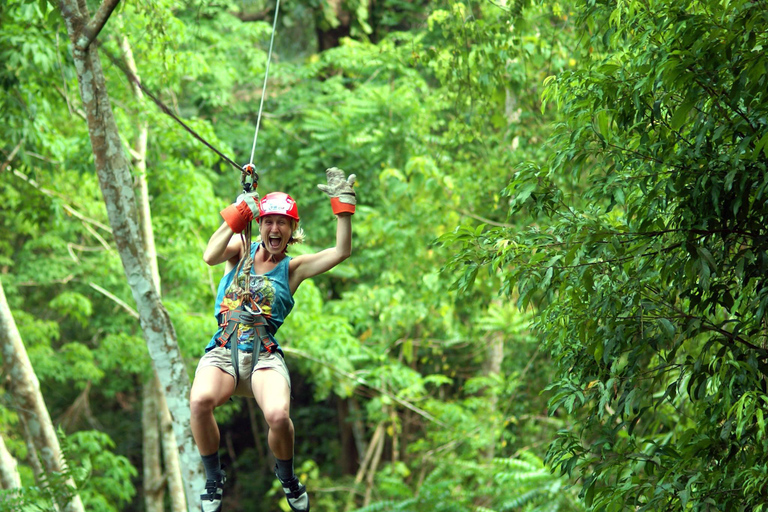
(93, 28)
(262, 15)
(362, 382)
(120, 302)
(483, 219)
(11, 156)
(85, 220)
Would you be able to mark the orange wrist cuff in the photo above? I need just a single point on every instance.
(234, 218)
(339, 207)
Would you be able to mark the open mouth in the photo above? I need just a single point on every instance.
(274, 242)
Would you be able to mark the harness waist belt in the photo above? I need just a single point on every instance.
(231, 319)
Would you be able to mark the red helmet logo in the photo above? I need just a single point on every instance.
(278, 203)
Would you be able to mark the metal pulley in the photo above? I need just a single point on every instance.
(249, 178)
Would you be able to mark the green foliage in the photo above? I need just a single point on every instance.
(646, 255)
(108, 483)
(502, 484)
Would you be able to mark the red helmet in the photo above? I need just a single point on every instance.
(278, 203)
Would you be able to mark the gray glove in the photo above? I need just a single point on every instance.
(252, 200)
(340, 191)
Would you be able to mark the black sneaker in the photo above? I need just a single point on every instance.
(214, 491)
(295, 493)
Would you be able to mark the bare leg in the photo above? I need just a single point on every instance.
(273, 395)
(211, 388)
(271, 391)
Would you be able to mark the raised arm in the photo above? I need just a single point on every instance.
(343, 201)
(309, 265)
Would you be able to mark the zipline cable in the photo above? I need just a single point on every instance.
(266, 75)
(133, 78)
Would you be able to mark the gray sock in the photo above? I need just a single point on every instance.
(212, 466)
(284, 469)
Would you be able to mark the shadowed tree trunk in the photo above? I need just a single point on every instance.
(117, 188)
(28, 401)
(328, 36)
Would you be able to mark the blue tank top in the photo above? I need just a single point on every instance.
(270, 291)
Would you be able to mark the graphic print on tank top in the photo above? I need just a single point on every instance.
(262, 295)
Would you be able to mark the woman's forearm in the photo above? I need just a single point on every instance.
(219, 248)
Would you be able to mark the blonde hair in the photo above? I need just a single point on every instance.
(297, 234)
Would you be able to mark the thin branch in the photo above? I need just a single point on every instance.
(63, 280)
(122, 304)
(708, 325)
(11, 156)
(483, 219)
(362, 382)
(63, 78)
(505, 9)
(72, 110)
(68, 208)
(91, 31)
(92, 231)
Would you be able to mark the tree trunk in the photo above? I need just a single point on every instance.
(152, 474)
(328, 37)
(349, 455)
(257, 437)
(371, 453)
(116, 186)
(28, 401)
(493, 359)
(9, 471)
(170, 454)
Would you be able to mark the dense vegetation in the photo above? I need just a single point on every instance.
(556, 296)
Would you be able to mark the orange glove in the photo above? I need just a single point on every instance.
(242, 211)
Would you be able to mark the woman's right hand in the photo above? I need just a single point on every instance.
(242, 211)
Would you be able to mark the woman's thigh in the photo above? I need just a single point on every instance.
(271, 391)
(212, 385)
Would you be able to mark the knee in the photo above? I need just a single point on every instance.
(200, 404)
(277, 418)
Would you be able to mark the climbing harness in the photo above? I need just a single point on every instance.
(245, 314)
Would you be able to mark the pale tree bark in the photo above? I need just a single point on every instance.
(493, 359)
(170, 454)
(117, 188)
(152, 473)
(368, 465)
(161, 412)
(25, 392)
(9, 471)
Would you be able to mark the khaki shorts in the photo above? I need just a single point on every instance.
(221, 357)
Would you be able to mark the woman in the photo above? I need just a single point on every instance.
(252, 314)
